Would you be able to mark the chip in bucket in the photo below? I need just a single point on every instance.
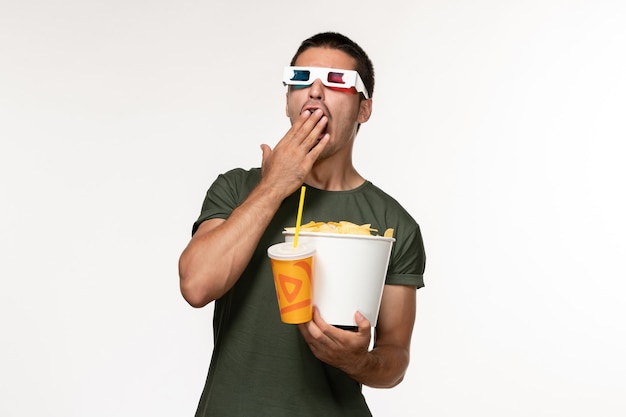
(342, 227)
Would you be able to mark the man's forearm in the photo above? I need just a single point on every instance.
(382, 367)
(217, 255)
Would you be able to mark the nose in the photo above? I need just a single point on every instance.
(316, 91)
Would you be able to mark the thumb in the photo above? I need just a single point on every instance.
(362, 322)
(265, 152)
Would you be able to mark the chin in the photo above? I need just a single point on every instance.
(326, 153)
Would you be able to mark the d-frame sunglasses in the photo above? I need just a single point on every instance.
(330, 77)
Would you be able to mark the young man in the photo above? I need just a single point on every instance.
(261, 366)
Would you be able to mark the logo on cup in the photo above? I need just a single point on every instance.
(291, 288)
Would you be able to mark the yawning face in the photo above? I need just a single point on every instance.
(343, 108)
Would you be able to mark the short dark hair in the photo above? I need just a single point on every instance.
(335, 40)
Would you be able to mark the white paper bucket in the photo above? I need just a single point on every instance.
(348, 274)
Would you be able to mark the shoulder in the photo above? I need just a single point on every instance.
(227, 192)
(407, 230)
(238, 180)
(389, 204)
(241, 174)
(372, 190)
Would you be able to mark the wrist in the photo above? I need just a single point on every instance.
(272, 191)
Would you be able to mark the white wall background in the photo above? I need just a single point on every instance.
(498, 124)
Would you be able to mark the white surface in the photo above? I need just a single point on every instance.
(498, 124)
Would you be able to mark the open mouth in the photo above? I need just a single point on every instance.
(311, 110)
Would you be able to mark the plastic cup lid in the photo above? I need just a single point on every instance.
(286, 251)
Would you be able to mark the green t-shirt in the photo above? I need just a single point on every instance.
(261, 366)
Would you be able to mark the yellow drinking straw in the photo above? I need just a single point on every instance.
(299, 218)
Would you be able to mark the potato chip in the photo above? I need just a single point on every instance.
(341, 227)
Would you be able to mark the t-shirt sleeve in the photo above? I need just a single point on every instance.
(221, 198)
(408, 259)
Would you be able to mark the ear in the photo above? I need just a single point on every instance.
(287, 104)
(365, 110)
